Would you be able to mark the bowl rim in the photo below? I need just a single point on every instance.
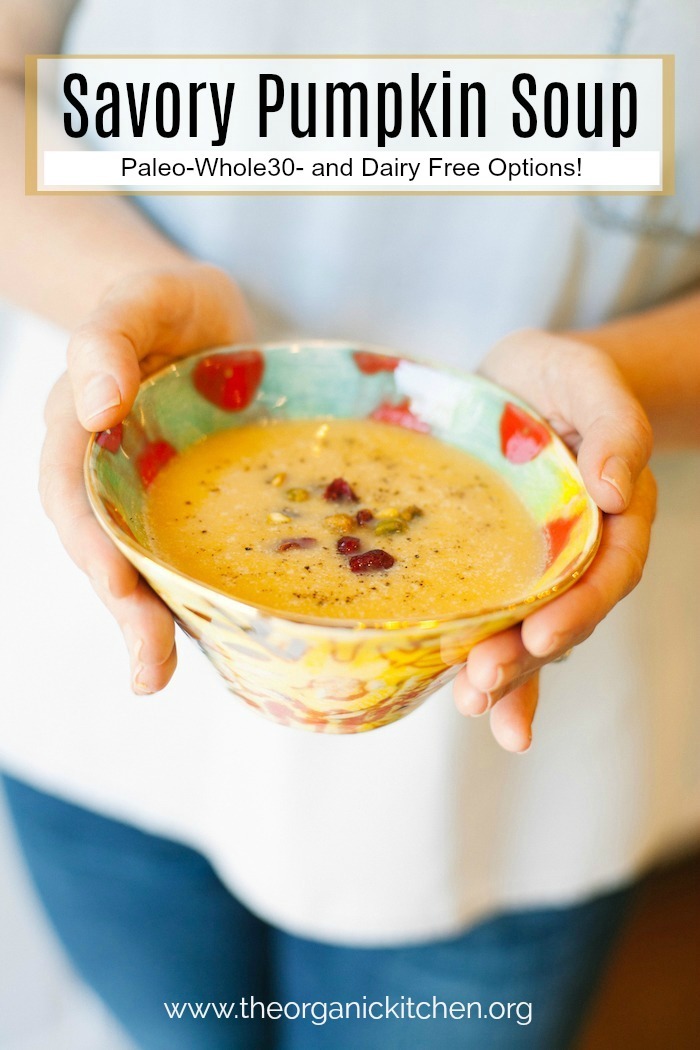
(513, 611)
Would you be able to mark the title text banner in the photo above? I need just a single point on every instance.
(314, 124)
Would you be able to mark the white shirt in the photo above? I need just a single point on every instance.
(421, 828)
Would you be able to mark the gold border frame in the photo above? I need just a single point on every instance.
(667, 189)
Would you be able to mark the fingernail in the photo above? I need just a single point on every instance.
(616, 472)
(138, 685)
(134, 643)
(502, 675)
(473, 701)
(100, 394)
(553, 643)
(493, 680)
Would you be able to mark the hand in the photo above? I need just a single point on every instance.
(142, 324)
(584, 398)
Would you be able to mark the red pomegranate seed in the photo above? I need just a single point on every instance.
(371, 561)
(339, 491)
(153, 458)
(363, 517)
(297, 543)
(348, 545)
(110, 439)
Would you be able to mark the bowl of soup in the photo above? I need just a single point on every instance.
(336, 526)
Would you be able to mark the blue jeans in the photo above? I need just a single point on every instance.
(147, 922)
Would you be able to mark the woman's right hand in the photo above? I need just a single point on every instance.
(143, 323)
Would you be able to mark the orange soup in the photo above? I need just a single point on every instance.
(346, 519)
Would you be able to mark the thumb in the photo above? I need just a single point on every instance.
(104, 369)
(582, 393)
(143, 322)
(616, 437)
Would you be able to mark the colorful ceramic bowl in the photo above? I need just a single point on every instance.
(327, 675)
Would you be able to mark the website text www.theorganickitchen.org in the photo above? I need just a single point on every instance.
(318, 1013)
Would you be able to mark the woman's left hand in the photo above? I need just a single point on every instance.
(583, 396)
